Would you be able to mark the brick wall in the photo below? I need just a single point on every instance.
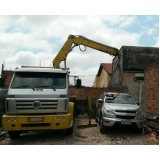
(8, 76)
(152, 88)
(82, 93)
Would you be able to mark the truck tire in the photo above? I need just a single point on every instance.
(102, 128)
(14, 134)
(69, 131)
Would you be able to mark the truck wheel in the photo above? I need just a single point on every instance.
(102, 128)
(14, 134)
(69, 131)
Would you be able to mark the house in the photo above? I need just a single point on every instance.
(104, 75)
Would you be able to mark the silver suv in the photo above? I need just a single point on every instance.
(118, 108)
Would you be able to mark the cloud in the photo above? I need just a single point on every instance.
(35, 40)
(119, 21)
(28, 58)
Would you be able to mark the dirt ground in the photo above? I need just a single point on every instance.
(89, 135)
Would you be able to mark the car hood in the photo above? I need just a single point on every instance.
(116, 106)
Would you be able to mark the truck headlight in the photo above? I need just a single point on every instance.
(13, 119)
(59, 118)
(8, 120)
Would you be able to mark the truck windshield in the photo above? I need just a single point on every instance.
(120, 99)
(39, 80)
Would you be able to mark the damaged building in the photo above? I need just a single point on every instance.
(136, 71)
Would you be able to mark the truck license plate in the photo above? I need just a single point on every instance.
(125, 122)
(35, 119)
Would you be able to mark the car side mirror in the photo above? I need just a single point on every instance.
(99, 102)
(2, 82)
(138, 103)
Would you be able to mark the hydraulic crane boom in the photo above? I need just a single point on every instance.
(74, 41)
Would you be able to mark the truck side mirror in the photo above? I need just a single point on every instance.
(2, 82)
(78, 83)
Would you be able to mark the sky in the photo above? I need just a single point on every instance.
(35, 40)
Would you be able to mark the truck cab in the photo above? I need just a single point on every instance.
(38, 100)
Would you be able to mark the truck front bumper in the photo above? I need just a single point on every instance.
(36, 122)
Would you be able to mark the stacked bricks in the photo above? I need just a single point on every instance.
(82, 93)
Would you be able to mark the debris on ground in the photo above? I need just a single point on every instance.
(153, 133)
(151, 126)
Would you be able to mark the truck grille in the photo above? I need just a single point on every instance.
(36, 106)
(47, 104)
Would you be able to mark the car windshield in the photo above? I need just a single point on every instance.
(43, 80)
(120, 99)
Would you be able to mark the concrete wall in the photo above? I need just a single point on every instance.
(104, 79)
(96, 81)
(104, 75)
(135, 58)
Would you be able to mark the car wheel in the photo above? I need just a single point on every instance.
(96, 120)
(138, 130)
(96, 115)
(14, 134)
(102, 128)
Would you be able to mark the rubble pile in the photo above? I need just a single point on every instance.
(151, 126)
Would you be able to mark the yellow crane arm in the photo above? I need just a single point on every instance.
(73, 41)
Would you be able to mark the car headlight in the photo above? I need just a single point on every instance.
(108, 111)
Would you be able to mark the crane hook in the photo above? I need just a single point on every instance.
(84, 48)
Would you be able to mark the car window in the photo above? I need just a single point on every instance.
(121, 99)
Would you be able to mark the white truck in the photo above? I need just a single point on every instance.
(38, 99)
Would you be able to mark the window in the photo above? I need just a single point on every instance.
(39, 79)
(120, 99)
